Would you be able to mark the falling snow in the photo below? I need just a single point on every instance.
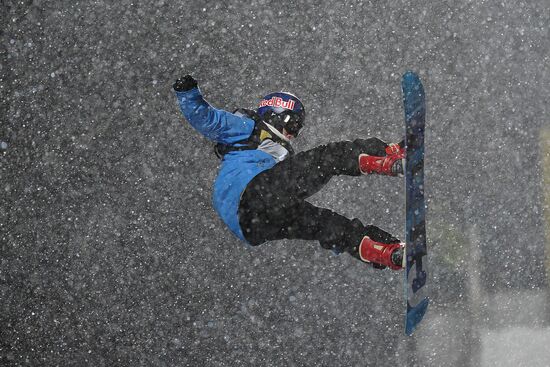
(110, 251)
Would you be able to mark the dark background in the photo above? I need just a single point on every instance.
(110, 251)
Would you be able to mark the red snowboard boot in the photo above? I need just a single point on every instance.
(381, 254)
(391, 164)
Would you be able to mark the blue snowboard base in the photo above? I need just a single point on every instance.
(415, 315)
(415, 256)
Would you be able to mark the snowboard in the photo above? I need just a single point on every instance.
(415, 252)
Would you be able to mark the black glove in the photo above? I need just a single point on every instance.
(184, 84)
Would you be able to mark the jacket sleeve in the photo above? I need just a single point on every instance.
(217, 125)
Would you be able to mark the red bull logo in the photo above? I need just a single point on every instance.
(277, 102)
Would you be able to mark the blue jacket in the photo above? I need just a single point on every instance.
(237, 167)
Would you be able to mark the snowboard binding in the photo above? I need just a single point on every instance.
(381, 255)
(391, 164)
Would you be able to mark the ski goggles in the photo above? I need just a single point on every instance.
(291, 121)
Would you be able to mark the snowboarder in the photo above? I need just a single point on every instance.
(262, 184)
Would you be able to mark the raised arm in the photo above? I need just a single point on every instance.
(218, 125)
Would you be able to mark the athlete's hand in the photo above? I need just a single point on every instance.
(184, 84)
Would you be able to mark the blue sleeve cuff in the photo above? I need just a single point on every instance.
(189, 93)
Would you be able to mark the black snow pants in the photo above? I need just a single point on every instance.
(273, 204)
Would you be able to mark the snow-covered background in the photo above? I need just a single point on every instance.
(110, 252)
